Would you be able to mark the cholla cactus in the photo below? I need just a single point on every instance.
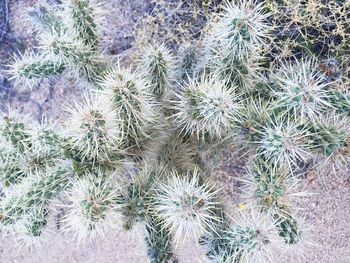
(46, 18)
(300, 90)
(13, 130)
(189, 60)
(95, 132)
(29, 231)
(159, 69)
(237, 40)
(255, 114)
(297, 234)
(284, 142)
(93, 210)
(158, 242)
(27, 149)
(29, 69)
(242, 28)
(253, 238)
(272, 188)
(34, 195)
(129, 96)
(133, 201)
(186, 207)
(340, 101)
(44, 151)
(137, 149)
(330, 138)
(250, 237)
(206, 108)
(68, 40)
(81, 17)
(71, 52)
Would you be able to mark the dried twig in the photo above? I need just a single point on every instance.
(5, 19)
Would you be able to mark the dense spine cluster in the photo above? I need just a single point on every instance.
(131, 152)
(68, 40)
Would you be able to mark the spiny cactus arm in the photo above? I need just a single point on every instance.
(29, 231)
(133, 201)
(12, 210)
(94, 132)
(242, 29)
(40, 152)
(46, 18)
(39, 194)
(299, 89)
(248, 237)
(36, 221)
(253, 238)
(340, 101)
(295, 233)
(129, 95)
(284, 143)
(82, 19)
(206, 108)
(186, 206)
(288, 229)
(240, 73)
(158, 65)
(45, 137)
(214, 242)
(271, 188)
(61, 48)
(236, 41)
(253, 118)
(189, 62)
(158, 240)
(29, 69)
(10, 169)
(72, 52)
(93, 210)
(47, 188)
(330, 139)
(14, 130)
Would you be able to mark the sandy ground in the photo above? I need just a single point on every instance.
(328, 209)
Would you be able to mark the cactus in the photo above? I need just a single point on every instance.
(158, 242)
(271, 188)
(206, 108)
(299, 89)
(250, 237)
(128, 93)
(81, 19)
(330, 140)
(68, 40)
(93, 209)
(30, 69)
(159, 67)
(35, 195)
(139, 147)
(284, 142)
(94, 135)
(46, 18)
(236, 41)
(186, 207)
